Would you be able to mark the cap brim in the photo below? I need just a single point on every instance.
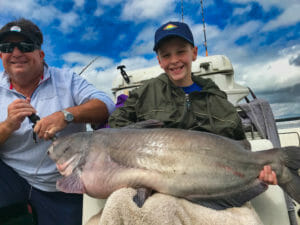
(171, 35)
(4, 34)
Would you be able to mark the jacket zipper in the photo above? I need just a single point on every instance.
(187, 102)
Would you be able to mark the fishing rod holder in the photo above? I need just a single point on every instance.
(123, 73)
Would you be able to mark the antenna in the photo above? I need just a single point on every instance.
(204, 30)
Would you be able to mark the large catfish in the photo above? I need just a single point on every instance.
(198, 166)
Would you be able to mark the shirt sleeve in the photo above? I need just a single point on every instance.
(83, 91)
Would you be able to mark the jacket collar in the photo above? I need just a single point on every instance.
(208, 86)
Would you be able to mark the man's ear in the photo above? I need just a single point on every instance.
(195, 52)
(42, 54)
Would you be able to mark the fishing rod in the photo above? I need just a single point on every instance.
(182, 11)
(203, 22)
(204, 30)
(88, 65)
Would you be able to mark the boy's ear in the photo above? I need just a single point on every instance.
(195, 53)
(158, 60)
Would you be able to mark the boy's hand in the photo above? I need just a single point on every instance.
(268, 176)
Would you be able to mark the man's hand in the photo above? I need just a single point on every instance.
(48, 126)
(17, 111)
(268, 175)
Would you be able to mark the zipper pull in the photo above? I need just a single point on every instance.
(187, 102)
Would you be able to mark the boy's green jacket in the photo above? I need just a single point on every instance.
(159, 99)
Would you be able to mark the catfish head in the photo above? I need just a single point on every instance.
(69, 151)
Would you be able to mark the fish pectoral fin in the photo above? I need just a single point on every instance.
(71, 184)
(141, 195)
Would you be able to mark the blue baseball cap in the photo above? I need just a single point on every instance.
(178, 29)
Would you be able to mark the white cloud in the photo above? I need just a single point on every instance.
(143, 43)
(137, 10)
(267, 4)
(20, 8)
(90, 34)
(100, 10)
(45, 14)
(68, 21)
(248, 29)
(241, 11)
(79, 3)
(289, 17)
(84, 59)
(135, 63)
(271, 74)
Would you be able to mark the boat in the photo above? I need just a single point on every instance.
(271, 206)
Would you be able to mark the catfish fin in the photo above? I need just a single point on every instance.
(291, 160)
(245, 143)
(236, 199)
(146, 124)
(71, 184)
(292, 187)
(141, 196)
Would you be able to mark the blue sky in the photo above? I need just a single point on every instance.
(260, 37)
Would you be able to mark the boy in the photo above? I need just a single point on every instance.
(179, 99)
(176, 97)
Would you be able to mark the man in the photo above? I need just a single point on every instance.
(63, 101)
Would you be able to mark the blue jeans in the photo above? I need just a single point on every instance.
(51, 208)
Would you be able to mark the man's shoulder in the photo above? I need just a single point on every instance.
(3, 79)
(59, 74)
(59, 71)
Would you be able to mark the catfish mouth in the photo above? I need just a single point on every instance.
(67, 167)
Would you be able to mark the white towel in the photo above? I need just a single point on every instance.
(161, 209)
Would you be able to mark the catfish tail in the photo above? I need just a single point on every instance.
(290, 179)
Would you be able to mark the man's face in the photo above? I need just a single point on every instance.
(22, 65)
(175, 57)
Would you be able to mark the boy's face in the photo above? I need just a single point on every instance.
(175, 57)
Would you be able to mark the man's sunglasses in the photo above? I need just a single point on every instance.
(22, 46)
